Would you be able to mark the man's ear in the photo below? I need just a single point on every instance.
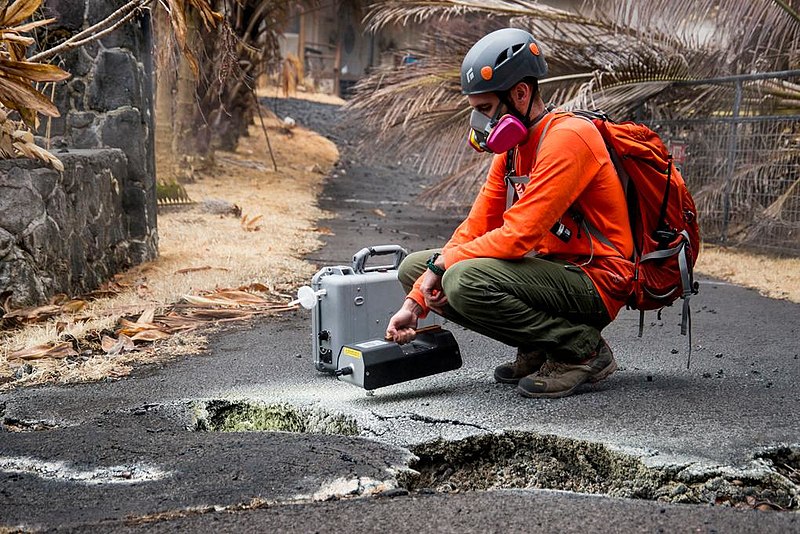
(521, 92)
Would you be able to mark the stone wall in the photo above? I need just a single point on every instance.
(67, 233)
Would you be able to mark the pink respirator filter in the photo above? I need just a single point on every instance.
(508, 133)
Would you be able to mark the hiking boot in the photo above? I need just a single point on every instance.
(525, 364)
(558, 379)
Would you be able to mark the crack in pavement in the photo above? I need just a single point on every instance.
(428, 420)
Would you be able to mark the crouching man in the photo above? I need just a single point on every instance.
(541, 261)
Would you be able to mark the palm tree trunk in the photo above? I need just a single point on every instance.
(164, 112)
(190, 143)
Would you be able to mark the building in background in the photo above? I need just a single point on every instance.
(335, 48)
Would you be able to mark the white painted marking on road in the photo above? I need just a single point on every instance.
(115, 474)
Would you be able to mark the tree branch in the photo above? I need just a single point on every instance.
(97, 31)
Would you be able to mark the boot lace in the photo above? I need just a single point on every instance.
(552, 368)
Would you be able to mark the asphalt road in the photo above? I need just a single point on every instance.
(137, 454)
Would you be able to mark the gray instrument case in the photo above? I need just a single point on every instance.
(355, 303)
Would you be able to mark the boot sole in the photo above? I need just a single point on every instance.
(506, 380)
(602, 375)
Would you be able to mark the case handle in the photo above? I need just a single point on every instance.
(360, 258)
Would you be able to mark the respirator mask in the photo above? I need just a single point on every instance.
(493, 134)
(498, 134)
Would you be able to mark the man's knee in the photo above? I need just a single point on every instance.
(464, 285)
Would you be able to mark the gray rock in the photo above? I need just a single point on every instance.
(80, 233)
(124, 129)
(77, 119)
(68, 12)
(20, 203)
(78, 62)
(19, 277)
(135, 204)
(42, 241)
(116, 81)
(77, 95)
(6, 244)
(44, 181)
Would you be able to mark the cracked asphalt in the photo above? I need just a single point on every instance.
(125, 455)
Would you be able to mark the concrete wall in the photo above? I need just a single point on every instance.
(69, 232)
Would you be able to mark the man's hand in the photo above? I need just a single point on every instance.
(432, 291)
(403, 324)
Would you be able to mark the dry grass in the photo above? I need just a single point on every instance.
(199, 252)
(275, 91)
(773, 277)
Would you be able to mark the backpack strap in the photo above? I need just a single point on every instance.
(682, 250)
(590, 228)
(511, 178)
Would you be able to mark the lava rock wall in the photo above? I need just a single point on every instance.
(67, 232)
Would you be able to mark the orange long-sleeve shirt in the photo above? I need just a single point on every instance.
(571, 170)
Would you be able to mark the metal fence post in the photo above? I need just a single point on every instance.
(732, 144)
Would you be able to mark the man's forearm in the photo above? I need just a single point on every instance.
(411, 305)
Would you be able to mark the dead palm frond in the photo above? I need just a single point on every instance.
(609, 54)
(18, 79)
(17, 75)
(389, 12)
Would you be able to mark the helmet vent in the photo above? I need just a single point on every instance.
(507, 54)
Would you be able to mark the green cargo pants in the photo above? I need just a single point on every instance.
(532, 303)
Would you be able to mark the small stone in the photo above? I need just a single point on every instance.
(718, 355)
(23, 371)
(298, 355)
(674, 351)
(680, 489)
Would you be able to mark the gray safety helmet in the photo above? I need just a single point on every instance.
(500, 60)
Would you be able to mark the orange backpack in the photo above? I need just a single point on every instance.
(662, 213)
(663, 217)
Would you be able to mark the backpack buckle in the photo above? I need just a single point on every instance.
(664, 237)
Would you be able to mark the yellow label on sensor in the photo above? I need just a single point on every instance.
(351, 352)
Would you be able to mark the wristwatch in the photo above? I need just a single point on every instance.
(438, 271)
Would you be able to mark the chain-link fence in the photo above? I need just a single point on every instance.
(743, 167)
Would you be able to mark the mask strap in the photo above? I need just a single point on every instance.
(542, 115)
(513, 110)
(527, 121)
